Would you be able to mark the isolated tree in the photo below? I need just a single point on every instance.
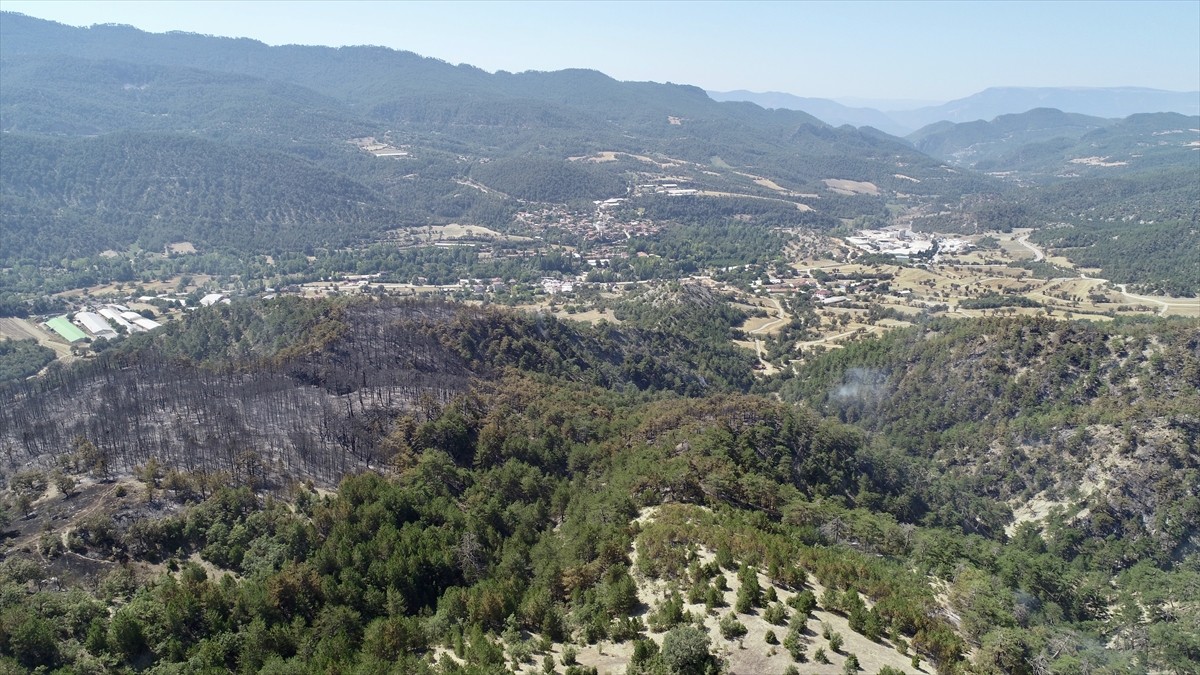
(835, 641)
(685, 651)
(64, 483)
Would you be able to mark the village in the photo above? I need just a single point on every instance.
(866, 282)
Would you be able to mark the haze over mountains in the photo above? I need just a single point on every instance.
(1108, 102)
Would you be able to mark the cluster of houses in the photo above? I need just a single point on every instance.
(600, 226)
(557, 286)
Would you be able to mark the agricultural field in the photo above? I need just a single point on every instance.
(21, 329)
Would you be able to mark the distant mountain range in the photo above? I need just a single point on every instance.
(1110, 102)
(1049, 143)
(824, 109)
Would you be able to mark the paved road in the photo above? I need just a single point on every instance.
(826, 340)
(1038, 254)
(1165, 306)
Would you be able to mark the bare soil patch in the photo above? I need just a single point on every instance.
(20, 329)
(592, 316)
(851, 187)
(716, 193)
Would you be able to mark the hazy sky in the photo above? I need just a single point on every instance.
(897, 50)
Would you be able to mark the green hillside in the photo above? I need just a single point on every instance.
(543, 496)
(1045, 145)
(980, 142)
(80, 196)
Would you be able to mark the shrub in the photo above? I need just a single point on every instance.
(685, 651)
(626, 629)
(569, 656)
(750, 593)
(831, 600)
(731, 628)
(776, 614)
(714, 598)
(803, 602)
(644, 650)
(797, 645)
(835, 641)
(668, 615)
(725, 557)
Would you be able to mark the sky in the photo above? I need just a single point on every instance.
(926, 51)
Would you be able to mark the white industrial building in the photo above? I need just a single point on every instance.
(114, 316)
(140, 321)
(96, 325)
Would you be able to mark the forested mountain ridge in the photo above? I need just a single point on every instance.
(1106, 102)
(101, 96)
(1046, 144)
(1119, 195)
(398, 88)
(968, 143)
(266, 133)
(1102, 102)
(465, 146)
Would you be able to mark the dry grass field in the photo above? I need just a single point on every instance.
(20, 329)
(944, 285)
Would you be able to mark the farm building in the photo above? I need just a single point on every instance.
(213, 298)
(146, 324)
(114, 316)
(96, 325)
(65, 329)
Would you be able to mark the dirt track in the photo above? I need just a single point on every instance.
(20, 329)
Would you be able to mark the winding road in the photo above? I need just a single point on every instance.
(758, 346)
(1165, 305)
(782, 317)
(1039, 254)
